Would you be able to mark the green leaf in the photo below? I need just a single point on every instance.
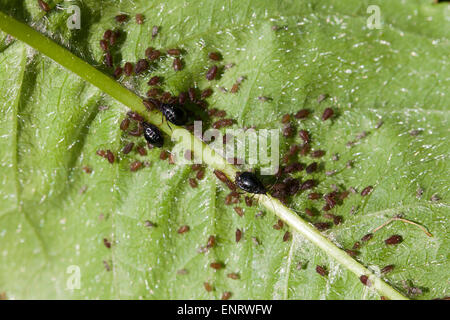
(53, 215)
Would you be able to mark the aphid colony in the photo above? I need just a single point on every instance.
(173, 111)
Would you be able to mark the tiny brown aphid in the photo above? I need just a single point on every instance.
(216, 265)
(208, 287)
(226, 295)
(321, 270)
(104, 45)
(367, 237)
(164, 155)
(193, 183)
(211, 242)
(321, 226)
(135, 116)
(294, 167)
(139, 18)
(221, 113)
(287, 236)
(141, 66)
(182, 97)
(200, 174)
(154, 81)
(113, 38)
(356, 245)
(308, 184)
(248, 201)
(293, 150)
(211, 73)
(121, 18)
(309, 212)
(327, 114)
(286, 118)
(419, 193)
(149, 224)
(183, 229)
(343, 195)
(239, 211)
(118, 72)
(135, 166)
(138, 132)
(154, 55)
(87, 169)
(192, 94)
(435, 197)
(152, 93)
(148, 52)
(387, 269)
(212, 112)
(108, 33)
(110, 156)
(101, 153)
(107, 243)
(182, 272)
(351, 253)
(321, 97)
(393, 240)
(177, 65)
(44, 5)
(109, 59)
(206, 93)
(222, 123)
(288, 131)
(365, 280)
(305, 148)
(238, 235)
(125, 124)
(128, 69)
(216, 56)
(155, 31)
(222, 177)
(106, 265)
(317, 153)
(171, 158)
(302, 114)
(311, 168)
(304, 135)
(264, 99)
(337, 220)
(174, 52)
(366, 191)
(142, 151)
(233, 276)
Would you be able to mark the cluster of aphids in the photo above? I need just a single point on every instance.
(172, 109)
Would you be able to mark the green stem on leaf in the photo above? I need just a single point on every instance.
(108, 85)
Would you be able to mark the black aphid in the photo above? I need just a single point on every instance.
(248, 182)
(174, 113)
(153, 135)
